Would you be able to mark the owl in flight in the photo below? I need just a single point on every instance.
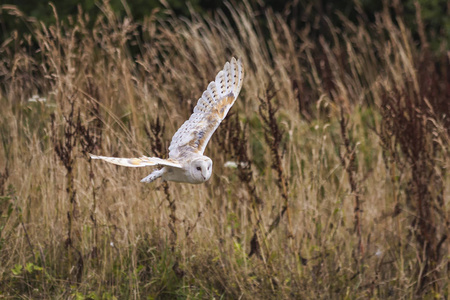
(186, 162)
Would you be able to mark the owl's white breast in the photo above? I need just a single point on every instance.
(179, 175)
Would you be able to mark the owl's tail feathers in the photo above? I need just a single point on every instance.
(154, 175)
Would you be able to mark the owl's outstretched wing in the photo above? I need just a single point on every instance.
(143, 161)
(211, 109)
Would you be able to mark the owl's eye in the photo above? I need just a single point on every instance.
(199, 169)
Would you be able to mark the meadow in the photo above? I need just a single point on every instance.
(330, 173)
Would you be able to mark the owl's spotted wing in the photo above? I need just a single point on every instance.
(143, 161)
(211, 109)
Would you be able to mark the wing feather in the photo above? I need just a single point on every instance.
(211, 109)
(143, 161)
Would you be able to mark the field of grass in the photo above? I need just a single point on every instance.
(341, 140)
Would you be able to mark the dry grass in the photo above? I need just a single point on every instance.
(344, 140)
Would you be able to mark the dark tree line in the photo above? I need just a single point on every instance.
(435, 13)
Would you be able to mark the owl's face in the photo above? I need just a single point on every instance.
(201, 169)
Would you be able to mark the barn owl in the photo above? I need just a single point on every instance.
(186, 162)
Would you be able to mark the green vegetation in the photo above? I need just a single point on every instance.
(341, 136)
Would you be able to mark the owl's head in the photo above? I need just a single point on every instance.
(201, 169)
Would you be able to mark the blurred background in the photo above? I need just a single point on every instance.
(298, 13)
(330, 177)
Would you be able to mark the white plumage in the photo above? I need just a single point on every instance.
(186, 162)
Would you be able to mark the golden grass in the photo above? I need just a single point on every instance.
(132, 240)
